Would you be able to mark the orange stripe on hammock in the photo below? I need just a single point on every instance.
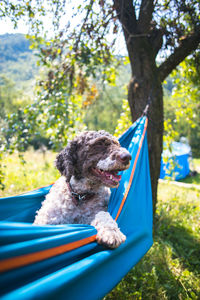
(26, 259)
(133, 171)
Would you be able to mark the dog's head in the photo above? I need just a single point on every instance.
(95, 155)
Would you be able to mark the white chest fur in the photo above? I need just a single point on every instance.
(59, 207)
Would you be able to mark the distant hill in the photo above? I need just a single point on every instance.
(17, 60)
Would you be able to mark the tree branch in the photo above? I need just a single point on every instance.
(156, 39)
(81, 30)
(126, 15)
(187, 45)
(145, 16)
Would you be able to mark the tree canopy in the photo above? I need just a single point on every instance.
(78, 46)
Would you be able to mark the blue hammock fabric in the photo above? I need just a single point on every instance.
(64, 261)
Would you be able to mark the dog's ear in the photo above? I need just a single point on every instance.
(66, 160)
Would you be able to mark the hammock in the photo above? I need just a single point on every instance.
(64, 261)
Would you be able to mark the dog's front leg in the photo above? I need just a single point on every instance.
(108, 232)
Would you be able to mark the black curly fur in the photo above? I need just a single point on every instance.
(66, 160)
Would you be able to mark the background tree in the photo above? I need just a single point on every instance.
(158, 36)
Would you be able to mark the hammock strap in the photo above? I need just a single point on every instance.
(149, 101)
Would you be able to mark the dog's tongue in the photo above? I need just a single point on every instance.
(112, 176)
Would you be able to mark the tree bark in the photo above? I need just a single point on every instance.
(142, 49)
(144, 83)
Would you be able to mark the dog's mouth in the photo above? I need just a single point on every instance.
(109, 178)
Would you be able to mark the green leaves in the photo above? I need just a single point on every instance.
(182, 109)
(124, 121)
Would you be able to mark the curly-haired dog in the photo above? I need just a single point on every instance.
(89, 167)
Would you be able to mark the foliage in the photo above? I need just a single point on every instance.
(170, 270)
(17, 75)
(87, 39)
(9, 95)
(29, 122)
(18, 9)
(104, 112)
(69, 65)
(58, 110)
(124, 121)
(178, 19)
(75, 52)
(182, 111)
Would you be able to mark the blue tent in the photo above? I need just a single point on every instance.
(64, 261)
(175, 163)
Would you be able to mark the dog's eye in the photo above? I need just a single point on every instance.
(99, 145)
(103, 142)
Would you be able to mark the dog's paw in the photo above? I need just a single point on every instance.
(108, 232)
(110, 238)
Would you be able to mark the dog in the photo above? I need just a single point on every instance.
(89, 167)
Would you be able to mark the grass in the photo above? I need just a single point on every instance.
(196, 162)
(37, 171)
(194, 179)
(171, 268)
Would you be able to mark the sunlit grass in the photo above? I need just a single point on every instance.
(197, 162)
(37, 171)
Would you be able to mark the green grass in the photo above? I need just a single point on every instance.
(38, 171)
(191, 179)
(194, 179)
(171, 268)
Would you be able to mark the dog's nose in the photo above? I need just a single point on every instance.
(124, 157)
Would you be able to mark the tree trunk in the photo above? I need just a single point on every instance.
(145, 82)
(144, 40)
